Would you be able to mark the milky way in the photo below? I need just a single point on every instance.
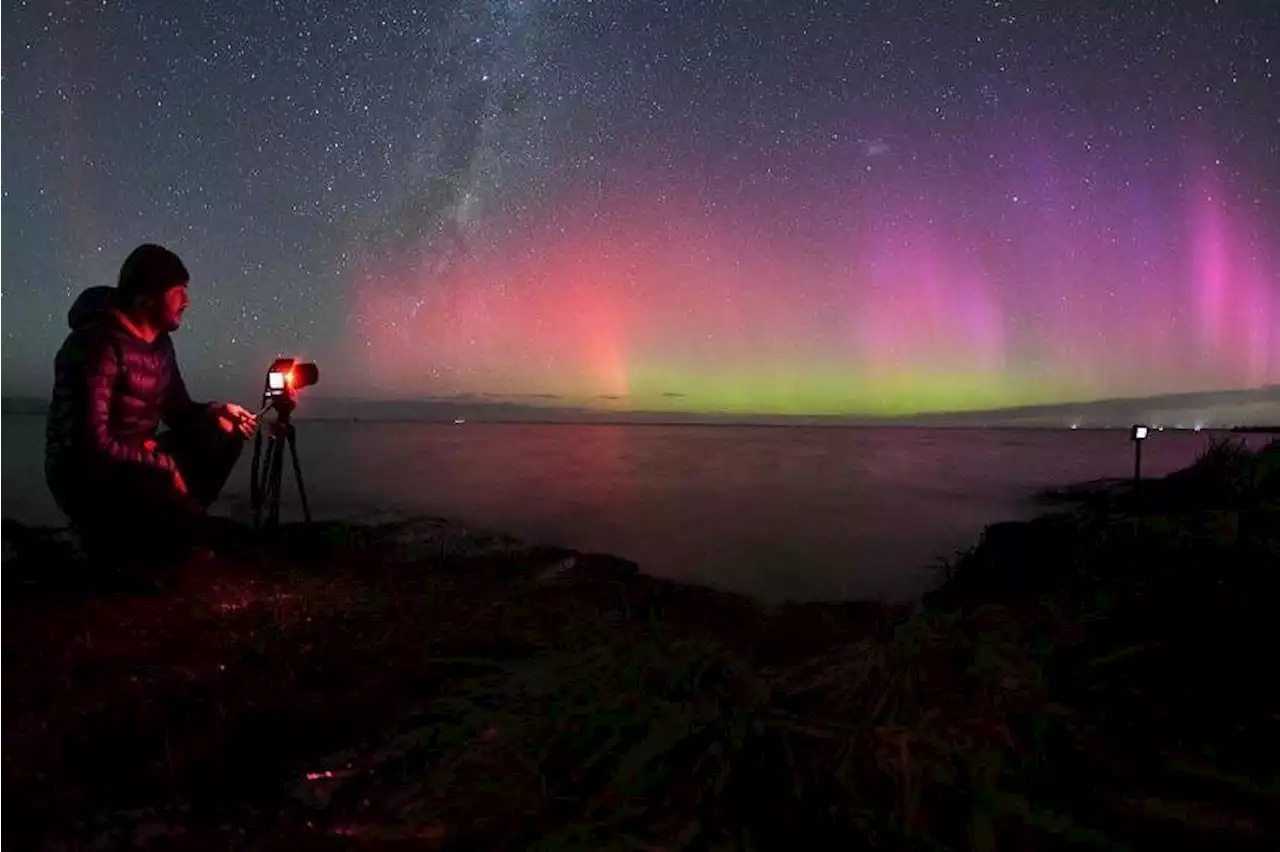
(742, 207)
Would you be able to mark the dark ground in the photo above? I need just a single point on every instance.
(1101, 677)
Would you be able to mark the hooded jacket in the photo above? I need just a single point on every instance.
(111, 392)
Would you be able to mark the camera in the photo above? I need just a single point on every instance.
(286, 376)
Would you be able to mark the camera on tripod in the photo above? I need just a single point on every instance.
(285, 377)
(288, 375)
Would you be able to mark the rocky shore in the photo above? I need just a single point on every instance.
(1098, 677)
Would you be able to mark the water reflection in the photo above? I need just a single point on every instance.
(772, 512)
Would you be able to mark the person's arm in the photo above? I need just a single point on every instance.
(101, 369)
(179, 409)
(181, 412)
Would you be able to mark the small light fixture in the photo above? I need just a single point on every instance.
(1138, 433)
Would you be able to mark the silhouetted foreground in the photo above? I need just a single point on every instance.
(1102, 677)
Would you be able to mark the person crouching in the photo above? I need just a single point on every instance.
(136, 496)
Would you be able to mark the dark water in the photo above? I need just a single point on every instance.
(794, 512)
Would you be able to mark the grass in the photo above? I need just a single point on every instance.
(1097, 678)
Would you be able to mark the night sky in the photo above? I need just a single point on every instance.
(784, 207)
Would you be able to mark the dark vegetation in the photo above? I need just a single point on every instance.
(1101, 677)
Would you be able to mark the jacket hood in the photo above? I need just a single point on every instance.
(91, 307)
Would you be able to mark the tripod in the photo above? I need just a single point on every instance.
(264, 483)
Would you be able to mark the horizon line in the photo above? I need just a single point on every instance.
(550, 404)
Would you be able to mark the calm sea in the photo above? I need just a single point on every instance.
(775, 512)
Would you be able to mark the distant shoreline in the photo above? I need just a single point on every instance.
(1254, 410)
(749, 424)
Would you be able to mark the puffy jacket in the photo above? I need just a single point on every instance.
(111, 392)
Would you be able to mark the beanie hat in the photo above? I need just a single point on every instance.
(150, 269)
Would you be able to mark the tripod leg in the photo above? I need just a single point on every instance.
(264, 486)
(277, 466)
(297, 472)
(255, 483)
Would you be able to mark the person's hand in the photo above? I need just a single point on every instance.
(179, 483)
(232, 417)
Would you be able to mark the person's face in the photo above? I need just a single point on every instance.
(169, 306)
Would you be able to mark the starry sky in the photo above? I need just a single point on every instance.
(776, 207)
